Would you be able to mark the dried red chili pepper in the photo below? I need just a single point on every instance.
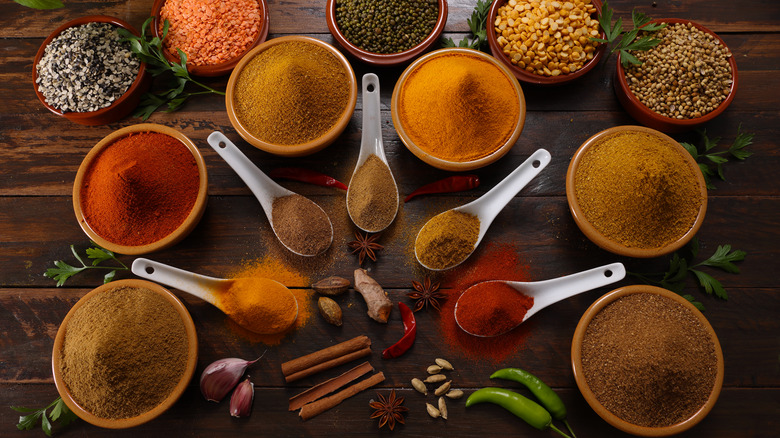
(307, 176)
(457, 183)
(410, 333)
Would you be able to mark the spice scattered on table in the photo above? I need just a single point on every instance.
(390, 410)
(477, 107)
(301, 225)
(210, 32)
(451, 184)
(125, 350)
(447, 239)
(649, 360)
(260, 305)
(492, 308)
(372, 199)
(637, 189)
(687, 75)
(292, 93)
(426, 293)
(379, 306)
(140, 188)
(386, 26)
(86, 68)
(365, 246)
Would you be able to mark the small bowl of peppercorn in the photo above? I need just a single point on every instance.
(685, 81)
(546, 45)
(386, 32)
(84, 71)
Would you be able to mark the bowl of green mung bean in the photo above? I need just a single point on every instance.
(685, 81)
(386, 32)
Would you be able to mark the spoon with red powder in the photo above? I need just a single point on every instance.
(492, 308)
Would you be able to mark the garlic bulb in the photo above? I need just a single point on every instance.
(241, 400)
(221, 376)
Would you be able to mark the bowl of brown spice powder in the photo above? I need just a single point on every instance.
(647, 361)
(124, 354)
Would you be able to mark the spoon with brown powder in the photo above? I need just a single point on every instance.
(372, 196)
(301, 225)
(260, 305)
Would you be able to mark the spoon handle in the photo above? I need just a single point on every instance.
(201, 286)
(371, 137)
(557, 289)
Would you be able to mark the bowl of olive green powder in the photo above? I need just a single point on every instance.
(124, 354)
(647, 361)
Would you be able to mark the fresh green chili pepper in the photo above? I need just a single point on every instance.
(526, 409)
(546, 396)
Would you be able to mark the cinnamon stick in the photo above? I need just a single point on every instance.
(328, 365)
(324, 355)
(329, 386)
(313, 409)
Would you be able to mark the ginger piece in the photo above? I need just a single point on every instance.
(379, 306)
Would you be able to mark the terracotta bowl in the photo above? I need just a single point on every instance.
(177, 235)
(607, 243)
(385, 59)
(456, 166)
(651, 119)
(304, 148)
(215, 69)
(192, 358)
(587, 393)
(531, 78)
(120, 107)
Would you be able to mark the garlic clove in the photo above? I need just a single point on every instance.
(241, 400)
(221, 376)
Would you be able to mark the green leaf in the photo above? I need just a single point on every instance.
(710, 284)
(724, 258)
(643, 43)
(691, 150)
(639, 18)
(62, 272)
(654, 27)
(23, 409)
(716, 159)
(28, 422)
(627, 58)
(64, 415)
(694, 247)
(448, 42)
(99, 255)
(109, 277)
(743, 140)
(41, 4)
(693, 301)
(709, 143)
(45, 424)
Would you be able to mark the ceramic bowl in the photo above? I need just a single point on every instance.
(120, 107)
(607, 243)
(215, 69)
(528, 77)
(651, 119)
(456, 166)
(385, 59)
(587, 393)
(304, 148)
(177, 235)
(189, 371)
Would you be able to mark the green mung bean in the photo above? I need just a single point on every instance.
(386, 26)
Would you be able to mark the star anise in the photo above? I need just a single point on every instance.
(426, 293)
(389, 410)
(365, 245)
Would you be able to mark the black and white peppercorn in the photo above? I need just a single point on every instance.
(686, 76)
(86, 68)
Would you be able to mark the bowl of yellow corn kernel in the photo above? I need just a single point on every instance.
(546, 42)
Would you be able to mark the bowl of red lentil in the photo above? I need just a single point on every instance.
(140, 189)
(386, 32)
(636, 192)
(687, 80)
(548, 42)
(647, 361)
(124, 354)
(214, 34)
(92, 100)
(291, 96)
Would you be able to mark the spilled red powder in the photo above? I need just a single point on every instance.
(491, 308)
(492, 261)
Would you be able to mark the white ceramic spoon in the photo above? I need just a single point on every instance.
(371, 139)
(206, 288)
(549, 292)
(487, 206)
(264, 188)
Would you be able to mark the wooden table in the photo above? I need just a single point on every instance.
(39, 155)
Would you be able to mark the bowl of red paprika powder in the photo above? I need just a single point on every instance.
(142, 188)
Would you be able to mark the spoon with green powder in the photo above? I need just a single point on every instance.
(260, 305)
(372, 196)
(301, 225)
(449, 238)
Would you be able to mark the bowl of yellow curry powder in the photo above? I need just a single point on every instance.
(458, 109)
(635, 191)
(124, 354)
(291, 96)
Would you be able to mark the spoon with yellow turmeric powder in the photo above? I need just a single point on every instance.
(260, 305)
(449, 238)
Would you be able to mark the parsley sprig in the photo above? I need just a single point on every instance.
(478, 25)
(98, 255)
(174, 76)
(681, 264)
(628, 40)
(59, 412)
(41, 4)
(716, 159)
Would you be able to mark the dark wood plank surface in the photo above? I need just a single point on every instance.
(39, 155)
